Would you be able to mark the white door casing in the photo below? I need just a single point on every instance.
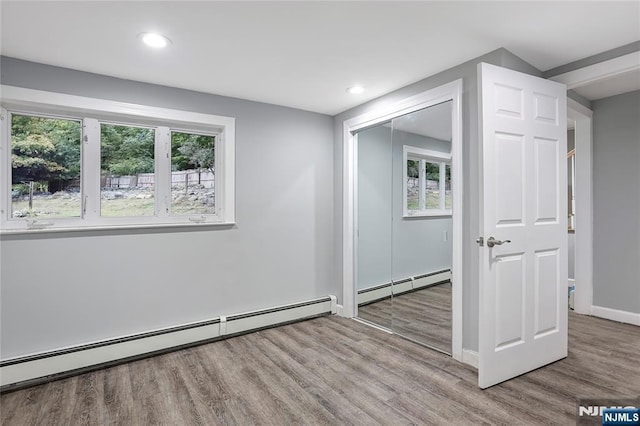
(523, 290)
(583, 296)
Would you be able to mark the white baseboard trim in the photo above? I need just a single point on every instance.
(66, 361)
(371, 294)
(334, 304)
(470, 357)
(340, 310)
(616, 315)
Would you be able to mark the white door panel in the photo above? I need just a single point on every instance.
(523, 306)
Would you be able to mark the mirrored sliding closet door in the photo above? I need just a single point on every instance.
(374, 238)
(404, 222)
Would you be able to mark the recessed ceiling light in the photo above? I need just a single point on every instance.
(355, 90)
(155, 40)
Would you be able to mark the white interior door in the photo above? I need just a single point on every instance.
(523, 290)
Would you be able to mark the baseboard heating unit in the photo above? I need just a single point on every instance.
(28, 370)
(383, 291)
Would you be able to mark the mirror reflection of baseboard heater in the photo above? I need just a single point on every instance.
(19, 372)
(384, 291)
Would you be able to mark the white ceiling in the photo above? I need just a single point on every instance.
(621, 83)
(434, 122)
(305, 54)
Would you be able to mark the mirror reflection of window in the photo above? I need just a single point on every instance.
(426, 138)
(413, 185)
(448, 197)
(427, 183)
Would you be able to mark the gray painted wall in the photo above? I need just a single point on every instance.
(375, 240)
(571, 140)
(72, 288)
(390, 246)
(470, 161)
(571, 245)
(616, 199)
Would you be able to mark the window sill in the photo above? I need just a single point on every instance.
(430, 213)
(119, 227)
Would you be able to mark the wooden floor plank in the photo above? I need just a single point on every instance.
(423, 315)
(118, 399)
(87, 402)
(332, 370)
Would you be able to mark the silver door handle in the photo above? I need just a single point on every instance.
(493, 242)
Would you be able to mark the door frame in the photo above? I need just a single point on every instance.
(448, 92)
(583, 116)
(583, 275)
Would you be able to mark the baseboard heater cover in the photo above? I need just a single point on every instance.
(28, 370)
(383, 291)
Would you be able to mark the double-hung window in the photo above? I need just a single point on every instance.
(427, 182)
(70, 162)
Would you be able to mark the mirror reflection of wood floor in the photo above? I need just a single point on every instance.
(422, 315)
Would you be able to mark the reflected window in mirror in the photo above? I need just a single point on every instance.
(427, 183)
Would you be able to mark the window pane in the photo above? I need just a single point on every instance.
(127, 171)
(45, 167)
(432, 190)
(413, 185)
(192, 173)
(447, 185)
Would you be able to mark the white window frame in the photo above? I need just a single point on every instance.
(92, 112)
(424, 155)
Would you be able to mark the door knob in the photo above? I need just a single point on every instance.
(493, 242)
